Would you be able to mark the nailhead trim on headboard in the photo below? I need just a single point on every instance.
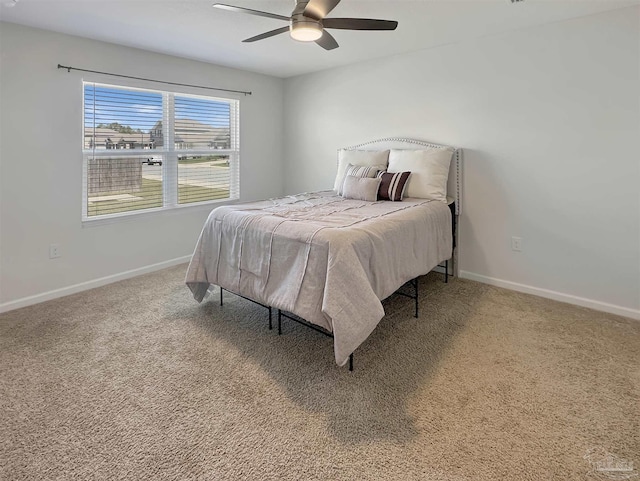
(457, 157)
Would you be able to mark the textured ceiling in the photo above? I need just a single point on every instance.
(193, 29)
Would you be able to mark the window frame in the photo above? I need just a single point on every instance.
(170, 155)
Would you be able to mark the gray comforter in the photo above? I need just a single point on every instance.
(324, 258)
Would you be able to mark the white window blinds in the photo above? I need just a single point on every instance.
(147, 149)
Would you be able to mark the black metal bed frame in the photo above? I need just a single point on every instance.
(301, 321)
(413, 283)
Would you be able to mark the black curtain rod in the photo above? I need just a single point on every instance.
(69, 69)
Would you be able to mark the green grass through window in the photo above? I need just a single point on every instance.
(150, 196)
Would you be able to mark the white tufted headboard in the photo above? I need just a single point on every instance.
(454, 187)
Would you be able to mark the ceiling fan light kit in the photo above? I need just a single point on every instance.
(306, 31)
(307, 22)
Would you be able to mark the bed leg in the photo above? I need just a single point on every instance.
(221, 296)
(446, 271)
(416, 288)
(453, 262)
(279, 322)
(270, 317)
(351, 362)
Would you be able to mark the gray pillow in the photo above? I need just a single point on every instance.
(360, 171)
(361, 188)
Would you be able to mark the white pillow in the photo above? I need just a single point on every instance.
(361, 188)
(429, 171)
(373, 158)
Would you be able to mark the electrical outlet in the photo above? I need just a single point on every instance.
(54, 251)
(516, 244)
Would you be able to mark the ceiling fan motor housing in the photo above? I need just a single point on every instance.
(303, 28)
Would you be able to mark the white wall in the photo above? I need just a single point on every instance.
(549, 120)
(41, 163)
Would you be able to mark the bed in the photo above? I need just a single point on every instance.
(330, 257)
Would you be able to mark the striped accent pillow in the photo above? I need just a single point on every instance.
(392, 185)
(367, 171)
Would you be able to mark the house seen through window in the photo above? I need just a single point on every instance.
(148, 149)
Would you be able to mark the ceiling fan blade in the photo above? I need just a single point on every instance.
(277, 31)
(231, 8)
(359, 24)
(327, 41)
(319, 9)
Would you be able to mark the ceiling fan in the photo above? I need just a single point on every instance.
(308, 22)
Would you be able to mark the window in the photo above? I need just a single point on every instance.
(148, 149)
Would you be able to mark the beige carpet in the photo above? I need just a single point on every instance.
(138, 381)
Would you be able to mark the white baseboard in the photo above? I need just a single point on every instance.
(84, 286)
(536, 291)
(556, 296)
